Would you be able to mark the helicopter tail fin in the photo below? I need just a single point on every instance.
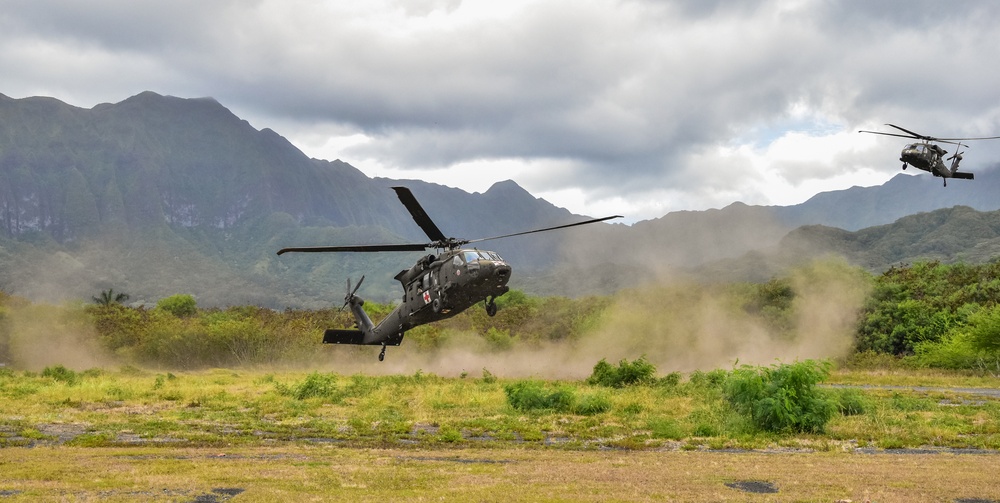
(962, 175)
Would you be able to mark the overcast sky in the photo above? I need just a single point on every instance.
(631, 107)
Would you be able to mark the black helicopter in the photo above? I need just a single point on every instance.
(928, 156)
(435, 288)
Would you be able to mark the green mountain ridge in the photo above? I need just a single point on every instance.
(949, 235)
(158, 195)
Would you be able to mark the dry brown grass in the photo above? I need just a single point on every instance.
(332, 473)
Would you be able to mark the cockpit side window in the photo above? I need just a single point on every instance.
(457, 261)
(471, 256)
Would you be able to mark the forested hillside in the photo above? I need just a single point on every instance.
(158, 195)
(952, 235)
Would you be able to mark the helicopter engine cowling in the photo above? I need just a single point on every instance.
(407, 276)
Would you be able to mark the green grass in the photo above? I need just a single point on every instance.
(224, 407)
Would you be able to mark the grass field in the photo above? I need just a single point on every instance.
(221, 435)
(333, 473)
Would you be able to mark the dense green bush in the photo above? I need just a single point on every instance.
(627, 373)
(984, 329)
(946, 315)
(536, 396)
(180, 305)
(532, 395)
(782, 397)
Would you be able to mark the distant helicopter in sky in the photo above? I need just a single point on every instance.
(929, 156)
(435, 288)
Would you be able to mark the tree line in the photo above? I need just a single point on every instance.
(927, 314)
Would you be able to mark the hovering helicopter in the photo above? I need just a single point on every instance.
(435, 288)
(927, 155)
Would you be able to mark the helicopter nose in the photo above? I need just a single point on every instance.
(503, 272)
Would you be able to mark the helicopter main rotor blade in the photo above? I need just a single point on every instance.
(915, 135)
(358, 248)
(419, 215)
(924, 138)
(541, 230)
(975, 138)
(890, 134)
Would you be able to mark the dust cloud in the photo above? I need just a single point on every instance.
(677, 326)
(695, 327)
(42, 335)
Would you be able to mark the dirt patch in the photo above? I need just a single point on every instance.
(753, 486)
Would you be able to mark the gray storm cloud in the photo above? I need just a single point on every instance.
(646, 92)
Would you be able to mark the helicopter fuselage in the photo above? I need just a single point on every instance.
(929, 157)
(440, 287)
(435, 288)
(925, 156)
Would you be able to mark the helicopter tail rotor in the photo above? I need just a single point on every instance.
(350, 293)
(955, 159)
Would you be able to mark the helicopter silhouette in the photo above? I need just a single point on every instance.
(435, 288)
(929, 156)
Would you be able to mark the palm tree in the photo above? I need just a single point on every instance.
(109, 297)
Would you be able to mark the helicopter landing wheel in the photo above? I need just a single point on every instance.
(491, 307)
(381, 355)
(904, 166)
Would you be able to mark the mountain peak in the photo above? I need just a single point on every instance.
(506, 187)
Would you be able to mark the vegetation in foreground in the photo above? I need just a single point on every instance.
(912, 319)
(748, 407)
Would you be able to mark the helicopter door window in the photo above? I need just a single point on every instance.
(427, 281)
(457, 261)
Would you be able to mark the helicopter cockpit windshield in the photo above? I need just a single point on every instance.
(477, 255)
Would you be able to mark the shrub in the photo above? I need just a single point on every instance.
(180, 305)
(713, 379)
(984, 330)
(625, 374)
(782, 397)
(530, 396)
(61, 374)
(499, 340)
(315, 385)
(671, 380)
(592, 404)
(488, 377)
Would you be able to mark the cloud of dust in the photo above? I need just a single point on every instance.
(695, 327)
(42, 335)
(677, 327)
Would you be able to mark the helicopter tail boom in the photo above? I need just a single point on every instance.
(357, 338)
(335, 336)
